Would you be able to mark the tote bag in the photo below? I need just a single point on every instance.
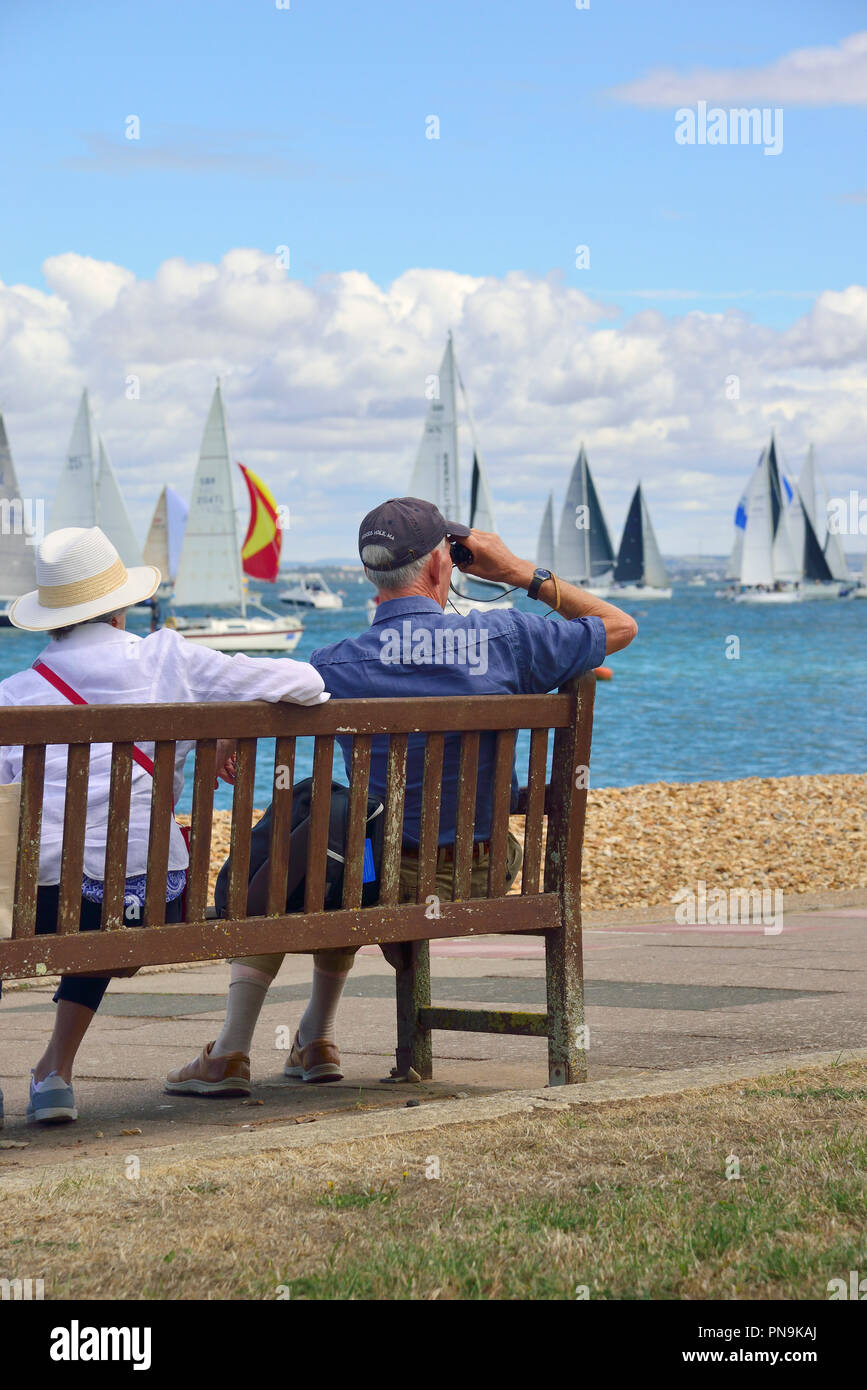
(10, 798)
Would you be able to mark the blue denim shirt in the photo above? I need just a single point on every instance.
(412, 648)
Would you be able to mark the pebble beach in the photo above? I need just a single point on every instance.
(645, 843)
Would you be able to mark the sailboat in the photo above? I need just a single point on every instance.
(546, 553)
(209, 573)
(165, 536)
(88, 493)
(19, 531)
(436, 478)
(825, 569)
(763, 564)
(639, 572)
(861, 591)
(585, 555)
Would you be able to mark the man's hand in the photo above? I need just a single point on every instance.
(492, 559)
(225, 761)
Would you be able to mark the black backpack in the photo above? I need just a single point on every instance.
(299, 836)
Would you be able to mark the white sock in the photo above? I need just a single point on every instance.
(247, 992)
(317, 1021)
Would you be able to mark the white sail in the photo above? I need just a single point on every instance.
(733, 569)
(815, 497)
(655, 576)
(584, 550)
(209, 571)
(112, 515)
(545, 552)
(573, 540)
(787, 564)
(757, 561)
(481, 503)
(435, 475)
(156, 546)
(19, 529)
(75, 499)
(166, 533)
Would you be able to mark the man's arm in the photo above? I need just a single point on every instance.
(492, 559)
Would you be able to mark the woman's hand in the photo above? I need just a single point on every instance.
(225, 761)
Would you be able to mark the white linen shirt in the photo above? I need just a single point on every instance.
(108, 666)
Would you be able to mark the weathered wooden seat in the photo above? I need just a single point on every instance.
(551, 906)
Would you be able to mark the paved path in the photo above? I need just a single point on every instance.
(660, 998)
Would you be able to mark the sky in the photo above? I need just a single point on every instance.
(282, 218)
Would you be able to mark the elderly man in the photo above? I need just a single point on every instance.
(415, 647)
(84, 592)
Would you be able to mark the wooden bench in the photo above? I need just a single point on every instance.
(549, 902)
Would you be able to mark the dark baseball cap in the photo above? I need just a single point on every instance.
(407, 527)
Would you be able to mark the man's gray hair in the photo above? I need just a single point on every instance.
(57, 634)
(372, 556)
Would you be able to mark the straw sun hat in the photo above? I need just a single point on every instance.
(80, 576)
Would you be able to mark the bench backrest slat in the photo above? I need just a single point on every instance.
(359, 782)
(468, 771)
(29, 834)
(320, 815)
(201, 824)
(116, 840)
(74, 829)
(392, 835)
(281, 825)
(532, 863)
(431, 800)
(242, 814)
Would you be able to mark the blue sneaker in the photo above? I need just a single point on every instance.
(51, 1101)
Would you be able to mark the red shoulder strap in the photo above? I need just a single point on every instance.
(75, 699)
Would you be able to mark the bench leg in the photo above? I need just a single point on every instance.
(567, 1051)
(411, 961)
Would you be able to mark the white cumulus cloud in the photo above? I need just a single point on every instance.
(325, 388)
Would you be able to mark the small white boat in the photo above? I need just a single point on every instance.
(311, 591)
(620, 593)
(754, 594)
(861, 591)
(271, 634)
(698, 581)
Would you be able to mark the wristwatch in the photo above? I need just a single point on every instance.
(539, 577)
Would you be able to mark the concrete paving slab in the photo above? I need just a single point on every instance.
(659, 996)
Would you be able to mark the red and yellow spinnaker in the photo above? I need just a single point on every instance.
(260, 553)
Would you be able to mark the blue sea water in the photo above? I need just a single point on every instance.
(794, 701)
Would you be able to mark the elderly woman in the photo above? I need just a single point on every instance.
(81, 602)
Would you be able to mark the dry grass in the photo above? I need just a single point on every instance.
(798, 834)
(630, 1199)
